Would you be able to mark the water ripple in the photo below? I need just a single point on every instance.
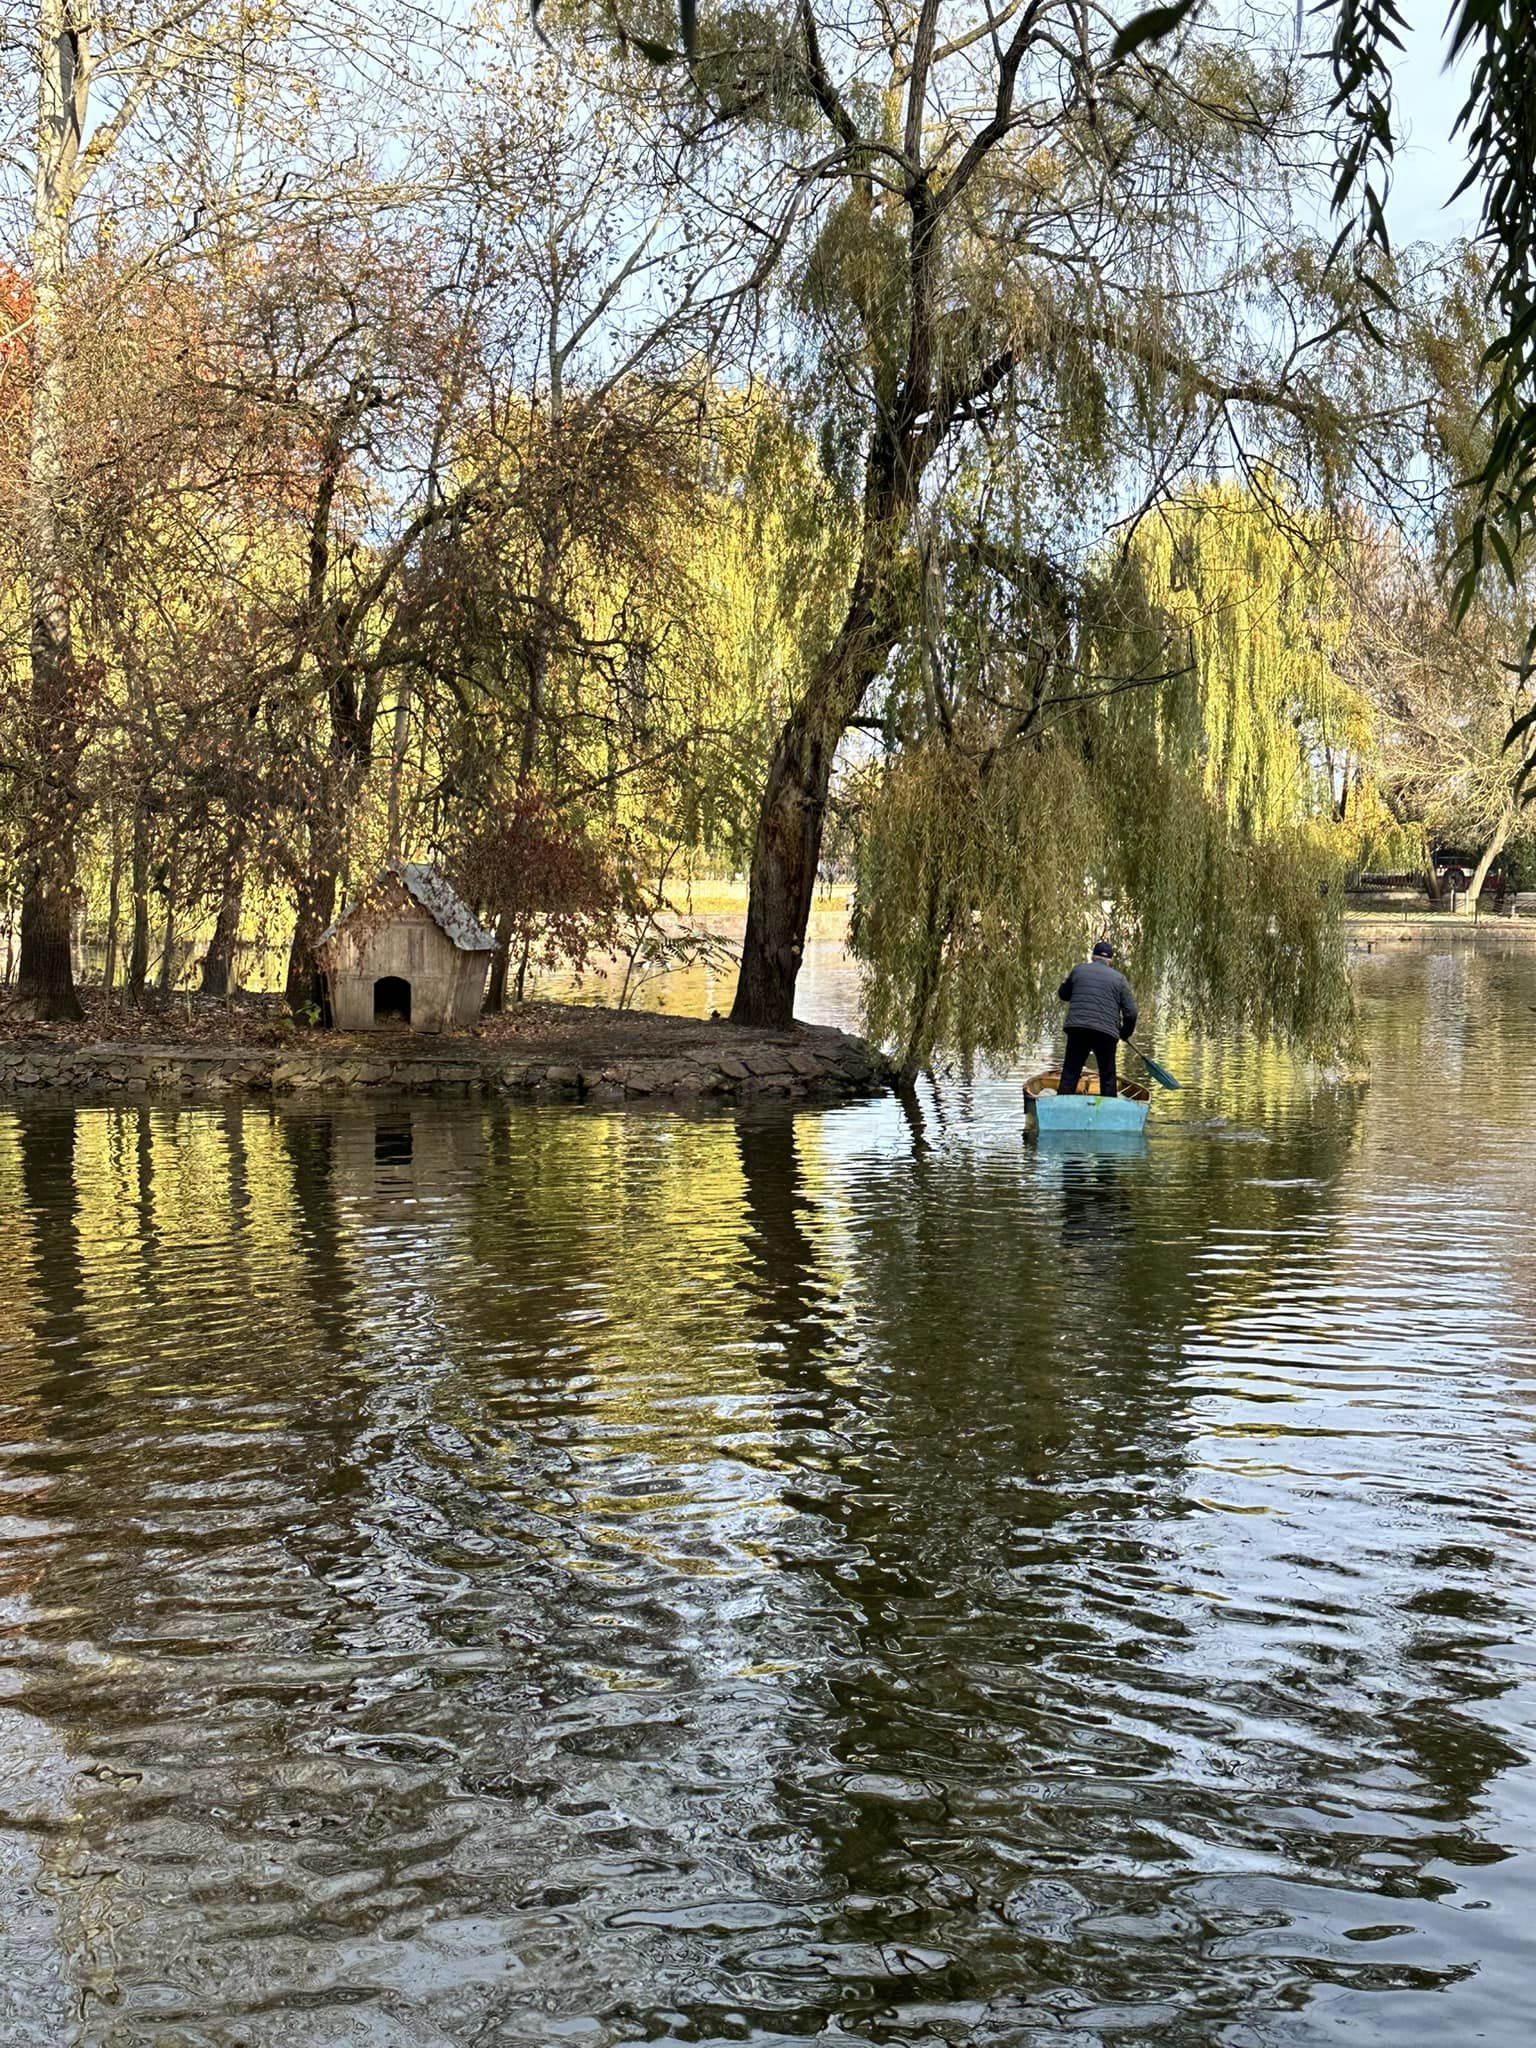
(537, 1575)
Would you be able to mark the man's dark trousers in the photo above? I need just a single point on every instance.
(1102, 1044)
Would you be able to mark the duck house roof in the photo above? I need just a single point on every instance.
(429, 887)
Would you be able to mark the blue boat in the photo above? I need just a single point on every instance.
(1087, 1111)
(1093, 1113)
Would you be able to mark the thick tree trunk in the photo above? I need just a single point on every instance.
(342, 776)
(1491, 853)
(787, 850)
(45, 986)
(45, 982)
(784, 858)
(219, 960)
(790, 824)
(304, 988)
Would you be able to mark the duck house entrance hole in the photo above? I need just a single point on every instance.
(391, 1000)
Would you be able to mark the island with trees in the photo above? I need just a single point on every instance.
(991, 453)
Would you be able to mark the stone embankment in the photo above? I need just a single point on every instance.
(707, 1061)
(1437, 929)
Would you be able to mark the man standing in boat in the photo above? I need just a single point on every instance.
(1101, 1010)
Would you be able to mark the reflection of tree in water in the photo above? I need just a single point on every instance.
(54, 1466)
(337, 1592)
(202, 1420)
(308, 1143)
(468, 1609)
(45, 1139)
(1011, 1739)
(792, 1302)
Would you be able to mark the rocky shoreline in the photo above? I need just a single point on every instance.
(576, 1053)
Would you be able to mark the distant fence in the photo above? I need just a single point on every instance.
(1496, 895)
(1365, 885)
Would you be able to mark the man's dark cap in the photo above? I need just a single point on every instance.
(1103, 950)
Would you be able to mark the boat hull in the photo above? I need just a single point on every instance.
(1107, 1113)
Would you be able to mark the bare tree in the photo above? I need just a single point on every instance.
(1444, 691)
(156, 133)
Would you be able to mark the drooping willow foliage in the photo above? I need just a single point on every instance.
(1175, 785)
(978, 888)
(1244, 595)
(971, 884)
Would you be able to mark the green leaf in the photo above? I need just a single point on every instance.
(1500, 547)
(1462, 596)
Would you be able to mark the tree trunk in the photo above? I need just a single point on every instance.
(45, 986)
(114, 909)
(167, 975)
(1491, 853)
(138, 877)
(783, 881)
(219, 960)
(166, 980)
(790, 824)
(345, 766)
(533, 710)
(398, 744)
(496, 987)
(549, 567)
(538, 658)
(304, 988)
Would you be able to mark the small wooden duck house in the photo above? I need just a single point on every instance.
(409, 954)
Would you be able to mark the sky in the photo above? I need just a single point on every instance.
(1430, 168)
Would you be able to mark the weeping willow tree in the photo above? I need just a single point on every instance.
(1170, 768)
(1248, 591)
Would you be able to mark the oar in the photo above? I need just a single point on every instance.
(1160, 1074)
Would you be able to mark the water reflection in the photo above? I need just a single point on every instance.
(537, 1574)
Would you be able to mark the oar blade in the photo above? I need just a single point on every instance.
(1159, 1074)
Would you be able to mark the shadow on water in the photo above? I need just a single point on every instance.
(522, 1574)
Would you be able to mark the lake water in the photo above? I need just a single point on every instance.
(542, 1575)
